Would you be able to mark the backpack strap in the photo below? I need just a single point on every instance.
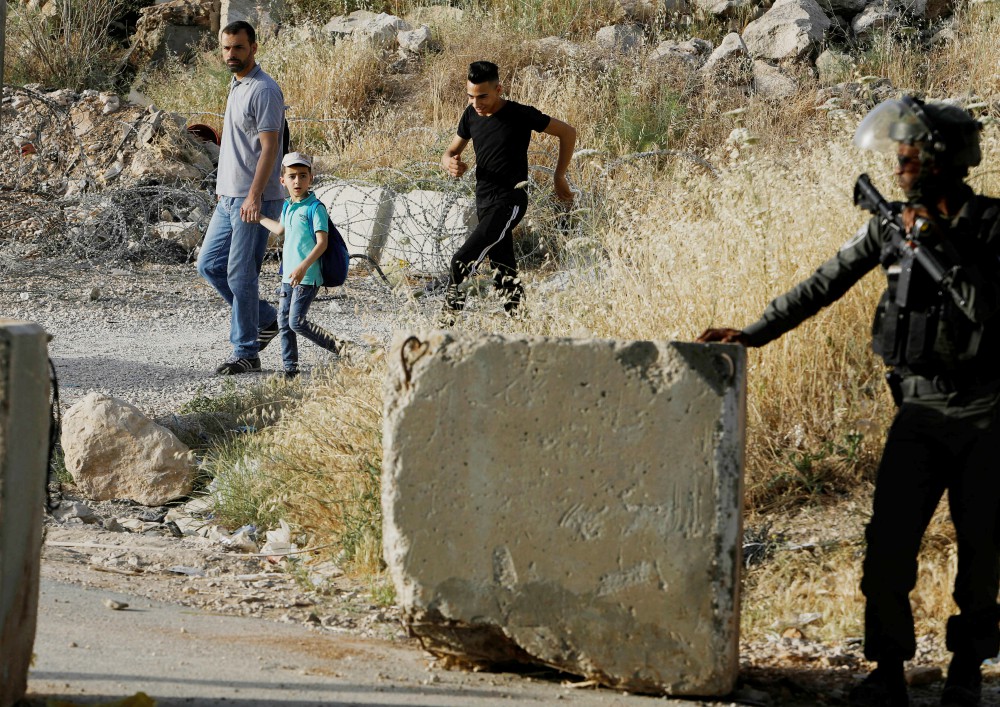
(313, 208)
(281, 220)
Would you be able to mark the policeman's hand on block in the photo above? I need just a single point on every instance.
(722, 336)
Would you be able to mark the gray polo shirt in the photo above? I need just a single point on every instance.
(255, 105)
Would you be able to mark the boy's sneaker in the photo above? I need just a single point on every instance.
(266, 335)
(291, 373)
(235, 365)
(881, 689)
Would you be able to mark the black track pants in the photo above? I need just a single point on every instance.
(936, 443)
(492, 238)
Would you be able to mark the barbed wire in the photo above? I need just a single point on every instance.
(410, 217)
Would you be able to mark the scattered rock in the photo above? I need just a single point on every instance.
(620, 38)
(771, 82)
(381, 30)
(692, 53)
(924, 675)
(68, 510)
(343, 27)
(791, 29)
(114, 451)
(415, 40)
(729, 64)
(833, 66)
(874, 18)
(115, 605)
(175, 27)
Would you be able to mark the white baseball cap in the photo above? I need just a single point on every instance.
(293, 158)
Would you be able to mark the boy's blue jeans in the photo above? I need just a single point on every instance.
(292, 310)
(230, 260)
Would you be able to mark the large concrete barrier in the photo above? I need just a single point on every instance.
(24, 436)
(362, 214)
(572, 503)
(427, 228)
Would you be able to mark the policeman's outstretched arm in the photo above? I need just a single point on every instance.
(567, 141)
(723, 336)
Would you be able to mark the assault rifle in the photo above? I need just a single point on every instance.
(905, 247)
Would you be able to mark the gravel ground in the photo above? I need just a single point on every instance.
(154, 337)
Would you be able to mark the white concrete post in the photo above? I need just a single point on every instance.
(24, 438)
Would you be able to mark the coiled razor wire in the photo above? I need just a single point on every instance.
(411, 217)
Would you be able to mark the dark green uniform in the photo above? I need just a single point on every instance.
(944, 347)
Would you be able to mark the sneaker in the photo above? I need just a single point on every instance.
(265, 335)
(238, 365)
(964, 686)
(880, 689)
(291, 373)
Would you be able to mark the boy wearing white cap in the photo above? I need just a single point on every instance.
(305, 225)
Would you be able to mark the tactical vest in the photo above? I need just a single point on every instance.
(930, 334)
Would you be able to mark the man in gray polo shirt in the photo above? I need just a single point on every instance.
(248, 187)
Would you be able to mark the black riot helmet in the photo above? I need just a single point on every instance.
(947, 135)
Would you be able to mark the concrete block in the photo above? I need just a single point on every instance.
(361, 212)
(428, 227)
(571, 503)
(181, 41)
(260, 13)
(24, 442)
(344, 26)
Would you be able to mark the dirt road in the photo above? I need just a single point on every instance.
(87, 652)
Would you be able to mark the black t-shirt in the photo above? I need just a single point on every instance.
(501, 144)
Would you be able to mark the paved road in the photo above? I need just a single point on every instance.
(87, 653)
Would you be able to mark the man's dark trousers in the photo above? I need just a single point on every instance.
(492, 238)
(938, 441)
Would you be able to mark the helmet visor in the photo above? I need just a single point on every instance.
(888, 124)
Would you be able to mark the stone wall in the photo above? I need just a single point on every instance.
(24, 436)
(571, 503)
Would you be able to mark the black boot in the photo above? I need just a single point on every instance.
(964, 685)
(884, 687)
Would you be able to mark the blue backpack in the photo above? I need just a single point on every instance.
(335, 259)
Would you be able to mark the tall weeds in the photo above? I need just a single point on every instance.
(66, 45)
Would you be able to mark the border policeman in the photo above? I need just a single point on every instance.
(937, 327)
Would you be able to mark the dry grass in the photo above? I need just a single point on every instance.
(336, 86)
(324, 464)
(67, 45)
(824, 579)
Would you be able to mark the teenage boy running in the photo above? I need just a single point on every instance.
(304, 243)
(500, 131)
